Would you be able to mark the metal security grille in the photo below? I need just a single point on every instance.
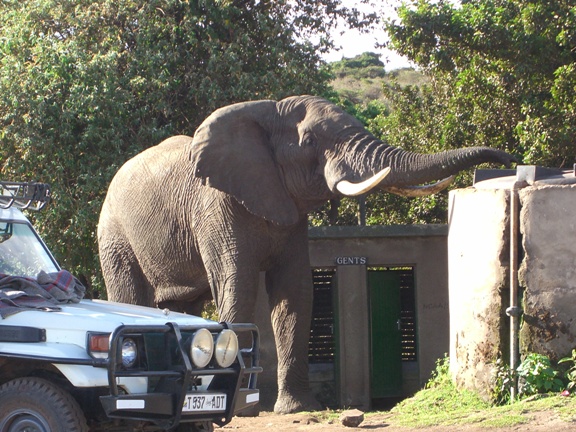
(407, 313)
(322, 345)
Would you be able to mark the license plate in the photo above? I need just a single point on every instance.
(213, 402)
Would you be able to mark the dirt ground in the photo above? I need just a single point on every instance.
(266, 421)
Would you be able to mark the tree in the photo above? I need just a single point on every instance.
(502, 69)
(86, 85)
(361, 61)
(501, 74)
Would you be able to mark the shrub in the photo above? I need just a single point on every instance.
(536, 375)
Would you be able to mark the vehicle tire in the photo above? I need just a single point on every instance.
(37, 405)
(195, 427)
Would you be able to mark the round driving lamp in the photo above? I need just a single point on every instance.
(129, 352)
(202, 348)
(226, 348)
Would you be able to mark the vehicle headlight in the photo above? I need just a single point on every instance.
(226, 348)
(202, 348)
(129, 352)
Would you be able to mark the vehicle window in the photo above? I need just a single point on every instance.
(21, 252)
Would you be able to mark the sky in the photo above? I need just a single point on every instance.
(353, 43)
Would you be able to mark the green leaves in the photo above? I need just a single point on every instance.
(536, 375)
(502, 66)
(570, 373)
(86, 85)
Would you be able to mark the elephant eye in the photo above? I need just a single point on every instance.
(308, 140)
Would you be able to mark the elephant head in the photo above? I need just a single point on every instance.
(283, 159)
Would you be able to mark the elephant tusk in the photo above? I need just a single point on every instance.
(353, 189)
(420, 191)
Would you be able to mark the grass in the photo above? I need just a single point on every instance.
(442, 404)
(438, 406)
(433, 407)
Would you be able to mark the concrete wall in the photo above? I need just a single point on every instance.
(479, 278)
(422, 247)
(548, 271)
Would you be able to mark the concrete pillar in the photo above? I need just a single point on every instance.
(354, 337)
(478, 257)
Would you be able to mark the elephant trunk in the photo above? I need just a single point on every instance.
(367, 156)
(410, 169)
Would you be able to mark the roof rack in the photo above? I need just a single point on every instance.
(24, 195)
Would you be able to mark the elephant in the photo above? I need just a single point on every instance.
(202, 216)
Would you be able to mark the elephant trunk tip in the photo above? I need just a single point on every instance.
(498, 156)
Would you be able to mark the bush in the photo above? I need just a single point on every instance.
(536, 375)
(570, 374)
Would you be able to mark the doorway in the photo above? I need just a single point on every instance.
(393, 327)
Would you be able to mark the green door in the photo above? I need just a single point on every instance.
(386, 339)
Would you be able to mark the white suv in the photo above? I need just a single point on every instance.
(70, 364)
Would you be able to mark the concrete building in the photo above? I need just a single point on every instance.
(380, 315)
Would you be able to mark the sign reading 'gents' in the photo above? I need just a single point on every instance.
(351, 260)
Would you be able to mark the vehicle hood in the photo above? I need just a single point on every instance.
(101, 315)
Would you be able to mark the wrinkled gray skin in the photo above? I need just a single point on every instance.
(198, 217)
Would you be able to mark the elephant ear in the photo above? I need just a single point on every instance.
(231, 152)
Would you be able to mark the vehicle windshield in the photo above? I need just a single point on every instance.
(21, 251)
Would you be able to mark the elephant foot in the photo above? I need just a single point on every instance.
(288, 402)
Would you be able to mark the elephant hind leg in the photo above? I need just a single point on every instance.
(123, 276)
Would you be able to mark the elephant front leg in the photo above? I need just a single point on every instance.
(290, 292)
